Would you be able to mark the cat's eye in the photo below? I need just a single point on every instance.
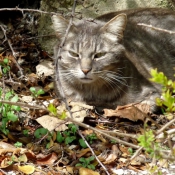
(99, 55)
(73, 54)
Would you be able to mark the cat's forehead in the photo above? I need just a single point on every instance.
(88, 28)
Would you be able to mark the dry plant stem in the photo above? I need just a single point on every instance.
(104, 134)
(11, 48)
(73, 121)
(3, 172)
(170, 145)
(156, 28)
(42, 138)
(94, 153)
(58, 57)
(121, 134)
(23, 105)
(165, 126)
(136, 154)
(27, 10)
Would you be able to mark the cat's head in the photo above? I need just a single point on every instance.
(91, 49)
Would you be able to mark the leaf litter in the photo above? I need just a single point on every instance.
(48, 155)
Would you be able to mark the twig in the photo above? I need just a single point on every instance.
(169, 132)
(156, 28)
(27, 10)
(135, 154)
(121, 134)
(102, 132)
(23, 105)
(165, 126)
(13, 52)
(94, 154)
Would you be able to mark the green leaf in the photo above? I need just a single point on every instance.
(15, 98)
(25, 132)
(33, 90)
(40, 91)
(69, 139)
(59, 137)
(63, 115)
(91, 166)
(91, 158)
(40, 132)
(82, 143)
(6, 60)
(52, 109)
(18, 144)
(11, 116)
(74, 129)
(8, 95)
(79, 164)
(16, 108)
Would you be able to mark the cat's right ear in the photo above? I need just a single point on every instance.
(114, 29)
(60, 26)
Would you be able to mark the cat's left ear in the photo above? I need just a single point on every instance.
(114, 29)
(60, 26)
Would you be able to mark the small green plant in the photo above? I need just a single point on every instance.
(131, 151)
(69, 135)
(18, 144)
(8, 112)
(25, 132)
(5, 65)
(86, 162)
(36, 93)
(46, 134)
(40, 132)
(91, 137)
(147, 141)
(168, 89)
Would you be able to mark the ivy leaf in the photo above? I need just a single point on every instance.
(82, 143)
(11, 116)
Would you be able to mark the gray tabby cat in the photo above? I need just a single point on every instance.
(107, 62)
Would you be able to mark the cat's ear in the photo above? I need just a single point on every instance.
(60, 26)
(114, 29)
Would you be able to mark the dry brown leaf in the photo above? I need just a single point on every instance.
(85, 171)
(51, 123)
(5, 162)
(27, 169)
(83, 152)
(132, 112)
(47, 160)
(5, 145)
(45, 68)
(113, 155)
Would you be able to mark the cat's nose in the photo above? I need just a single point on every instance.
(85, 71)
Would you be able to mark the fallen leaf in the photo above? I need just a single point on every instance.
(52, 123)
(113, 155)
(86, 171)
(27, 169)
(83, 152)
(79, 112)
(48, 159)
(45, 68)
(132, 112)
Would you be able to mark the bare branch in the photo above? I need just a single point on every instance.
(156, 28)
(13, 52)
(28, 10)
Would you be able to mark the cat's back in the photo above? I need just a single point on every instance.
(149, 39)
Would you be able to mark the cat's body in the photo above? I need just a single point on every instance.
(104, 67)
